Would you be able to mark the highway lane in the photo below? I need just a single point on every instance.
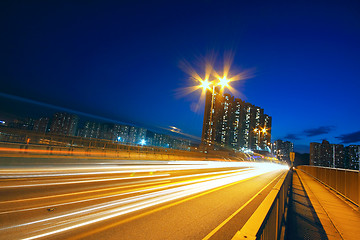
(115, 201)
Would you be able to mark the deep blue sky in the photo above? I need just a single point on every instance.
(120, 60)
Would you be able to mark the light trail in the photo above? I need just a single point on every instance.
(168, 179)
(116, 204)
(83, 181)
(151, 200)
(79, 171)
(164, 181)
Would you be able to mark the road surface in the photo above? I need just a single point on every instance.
(132, 199)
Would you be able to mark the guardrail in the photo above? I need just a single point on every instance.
(346, 182)
(268, 221)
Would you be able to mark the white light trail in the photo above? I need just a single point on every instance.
(169, 188)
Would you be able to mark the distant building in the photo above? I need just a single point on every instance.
(352, 157)
(91, 130)
(334, 155)
(338, 152)
(41, 125)
(137, 135)
(232, 123)
(64, 124)
(68, 124)
(282, 150)
(23, 123)
(315, 155)
(121, 133)
(321, 154)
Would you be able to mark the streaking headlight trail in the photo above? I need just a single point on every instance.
(87, 195)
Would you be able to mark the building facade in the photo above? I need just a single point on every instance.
(232, 123)
(41, 125)
(352, 157)
(64, 124)
(91, 130)
(281, 149)
(334, 155)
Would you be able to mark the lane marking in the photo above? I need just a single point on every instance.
(83, 235)
(237, 211)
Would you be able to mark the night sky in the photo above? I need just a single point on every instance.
(120, 60)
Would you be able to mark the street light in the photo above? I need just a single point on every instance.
(259, 131)
(205, 85)
(223, 82)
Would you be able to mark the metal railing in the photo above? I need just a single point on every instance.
(268, 221)
(344, 181)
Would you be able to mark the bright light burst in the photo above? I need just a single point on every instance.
(224, 82)
(205, 84)
(212, 78)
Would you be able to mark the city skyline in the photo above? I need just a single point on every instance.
(71, 125)
(120, 61)
(330, 155)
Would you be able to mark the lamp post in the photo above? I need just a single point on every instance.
(263, 130)
(258, 132)
(205, 85)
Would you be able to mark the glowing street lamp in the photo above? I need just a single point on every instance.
(259, 131)
(223, 82)
(205, 85)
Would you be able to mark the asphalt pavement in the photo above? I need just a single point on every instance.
(161, 200)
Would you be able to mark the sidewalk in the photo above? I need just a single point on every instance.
(302, 221)
(339, 218)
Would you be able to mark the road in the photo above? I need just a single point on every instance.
(132, 199)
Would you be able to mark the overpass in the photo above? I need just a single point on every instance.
(62, 194)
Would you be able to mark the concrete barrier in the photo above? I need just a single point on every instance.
(344, 181)
(268, 221)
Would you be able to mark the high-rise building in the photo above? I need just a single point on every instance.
(334, 155)
(338, 152)
(282, 150)
(321, 154)
(137, 135)
(120, 133)
(315, 153)
(41, 125)
(91, 130)
(64, 124)
(352, 157)
(232, 123)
